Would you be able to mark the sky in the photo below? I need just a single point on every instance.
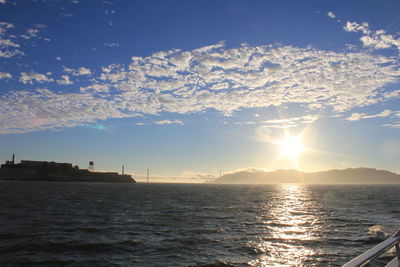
(192, 89)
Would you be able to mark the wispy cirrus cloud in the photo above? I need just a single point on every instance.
(282, 123)
(211, 77)
(290, 122)
(111, 44)
(392, 125)
(164, 122)
(245, 123)
(385, 113)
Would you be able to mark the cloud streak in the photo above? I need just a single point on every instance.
(164, 122)
(291, 122)
(384, 114)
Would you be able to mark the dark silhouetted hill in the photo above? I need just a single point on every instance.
(346, 176)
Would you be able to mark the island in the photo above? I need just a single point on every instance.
(346, 176)
(61, 172)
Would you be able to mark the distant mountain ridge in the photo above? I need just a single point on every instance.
(346, 176)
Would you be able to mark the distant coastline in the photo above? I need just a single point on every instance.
(28, 170)
(345, 176)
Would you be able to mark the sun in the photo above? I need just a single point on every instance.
(291, 146)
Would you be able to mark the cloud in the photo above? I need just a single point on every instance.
(361, 116)
(5, 75)
(163, 122)
(7, 42)
(392, 125)
(10, 44)
(5, 25)
(331, 14)
(77, 72)
(374, 39)
(33, 76)
(209, 78)
(68, 70)
(392, 94)
(355, 27)
(45, 110)
(64, 80)
(3, 1)
(8, 53)
(383, 114)
(30, 33)
(283, 123)
(38, 25)
(245, 123)
(96, 88)
(8, 48)
(290, 122)
(66, 15)
(84, 71)
(111, 44)
(198, 175)
(355, 117)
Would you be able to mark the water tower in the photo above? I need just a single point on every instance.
(91, 166)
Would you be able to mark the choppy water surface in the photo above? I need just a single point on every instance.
(102, 224)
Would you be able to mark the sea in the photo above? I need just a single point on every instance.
(111, 224)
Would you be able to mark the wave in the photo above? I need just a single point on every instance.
(76, 246)
(217, 263)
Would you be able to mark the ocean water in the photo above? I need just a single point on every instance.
(105, 224)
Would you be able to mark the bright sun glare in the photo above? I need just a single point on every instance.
(291, 146)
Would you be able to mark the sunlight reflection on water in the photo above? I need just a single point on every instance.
(292, 218)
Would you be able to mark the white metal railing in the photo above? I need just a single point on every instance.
(379, 249)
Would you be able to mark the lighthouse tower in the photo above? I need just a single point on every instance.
(91, 166)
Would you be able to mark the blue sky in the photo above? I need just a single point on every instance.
(189, 88)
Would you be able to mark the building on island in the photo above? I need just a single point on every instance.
(54, 171)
